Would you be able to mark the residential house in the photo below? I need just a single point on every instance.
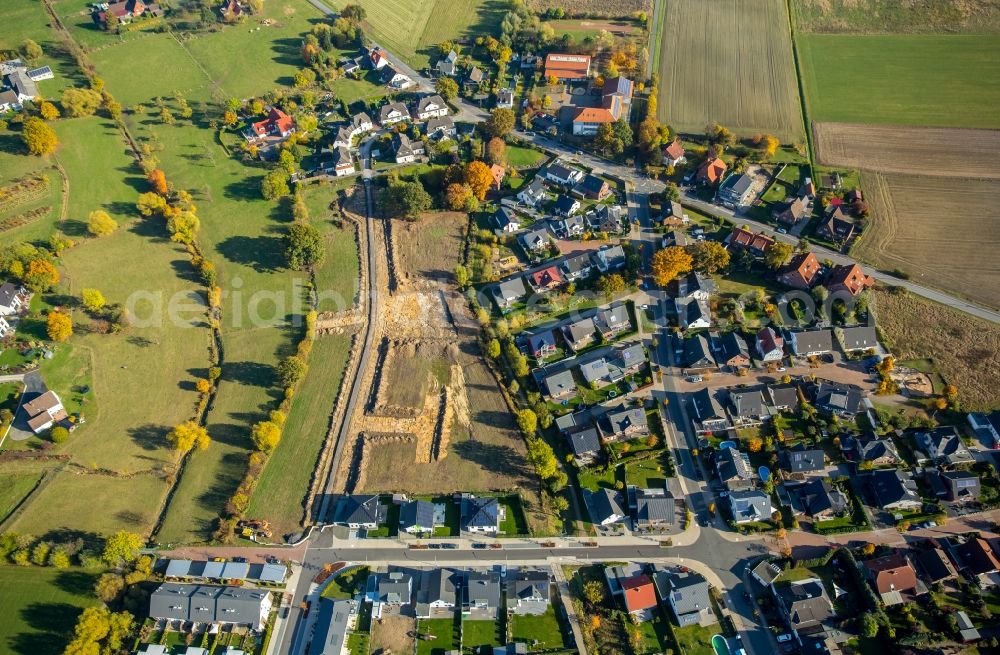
(933, 565)
(976, 557)
(585, 444)
(566, 206)
(360, 511)
(546, 279)
(440, 127)
(567, 67)
(542, 344)
(654, 509)
(588, 120)
(278, 125)
(804, 604)
(673, 154)
(9, 101)
(756, 243)
(751, 506)
(342, 163)
(616, 103)
(746, 407)
(481, 593)
(343, 138)
(44, 411)
(609, 258)
(707, 413)
(497, 171)
(799, 459)
(857, 337)
(766, 572)
(623, 423)
(941, 445)
(593, 188)
(394, 78)
(577, 267)
(361, 123)
(783, 397)
(966, 628)
(505, 98)
(891, 575)
(335, 619)
(569, 227)
(437, 593)
(807, 190)
(736, 191)
(791, 212)
(891, 489)
(605, 507)
(376, 58)
(528, 592)
(39, 74)
(390, 592)
(480, 515)
(986, 427)
(509, 292)
(687, 594)
(560, 385)
(557, 173)
(674, 237)
(734, 470)
(535, 239)
(506, 220)
(732, 351)
(836, 226)
(805, 343)
(692, 313)
(954, 486)
(126, 10)
(392, 113)
(770, 347)
(609, 219)
(407, 150)
(844, 400)
(432, 106)
(416, 516)
(800, 272)
(447, 65)
(711, 171)
(639, 595)
(694, 285)
(533, 193)
(5, 328)
(13, 299)
(848, 278)
(698, 355)
(613, 321)
(871, 451)
(815, 498)
(473, 80)
(579, 334)
(210, 604)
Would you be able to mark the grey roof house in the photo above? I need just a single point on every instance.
(528, 592)
(480, 515)
(360, 511)
(437, 593)
(481, 593)
(891, 489)
(943, 445)
(687, 594)
(605, 507)
(815, 498)
(653, 509)
(799, 459)
(750, 506)
(211, 604)
(334, 622)
(416, 516)
(734, 470)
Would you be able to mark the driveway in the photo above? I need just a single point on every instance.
(34, 386)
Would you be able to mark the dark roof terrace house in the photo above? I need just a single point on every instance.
(360, 511)
(653, 508)
(480, 515)
(799, 459)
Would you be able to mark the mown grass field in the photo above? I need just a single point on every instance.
(116, 64)
(942, 231)
(411, 29)
(40, 606)
(17, 480)
(337, 279)
(282, 489)
(902, 79)
(970, 359)
(729, 62)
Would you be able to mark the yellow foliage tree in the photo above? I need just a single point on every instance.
(189, 435)
(479, 178)
(59, 326)
(266, 435)
(669, 263)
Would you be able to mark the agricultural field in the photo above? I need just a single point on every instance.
(908, 150)
(916, 329)
(609, 8)
(40, 606)
(411, 29)
(901, 79)
(283, 486)
(942, 231)
(896, 16)
(729, 62)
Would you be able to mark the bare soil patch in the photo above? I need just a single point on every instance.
(393, 633)
(965, 349)
(943, 152)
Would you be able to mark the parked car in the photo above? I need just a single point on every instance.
(784, 638)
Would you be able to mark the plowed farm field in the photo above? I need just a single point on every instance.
(942, 231)
(729, 61)
(946, 152)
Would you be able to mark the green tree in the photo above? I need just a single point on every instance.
(100, 223)
(593, 591)
(611, 284)
(354, 13)
(447, 88)
(291, 369)
(38, 136)
(30, 50)
(121, 547)
(405, 199)
(275, 184)
(305, 247)
(48, 111)
(150, 203)
(500, 122)
(542, 458)
(59, 326)
(183, 227)
(40, 553)
(59, 434)
(869, 625)
(59, 558)
(708, 256)
(493, 349)
(109, 587)
(778, 254)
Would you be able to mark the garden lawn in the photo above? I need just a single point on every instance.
(337, 279)
(116, 64)
(27, 19)
(17, 480)
(539, 632)
(514, 522)
(695, 639)
(520, 157)
(39, 607)
(886, 78)
(445, 632)
(345, 585)
(476, 634)
(281, 492)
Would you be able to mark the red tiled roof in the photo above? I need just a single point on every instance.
(564, 66)
(712, 170)
(594, 115)
(747, 239)
(892, 573)
(675, 150)
(497, 171)
(850, 277)
(801, 270)
(547, 276)
(769, 340)
(639, 593)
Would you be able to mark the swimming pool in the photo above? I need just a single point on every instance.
(720, 645)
